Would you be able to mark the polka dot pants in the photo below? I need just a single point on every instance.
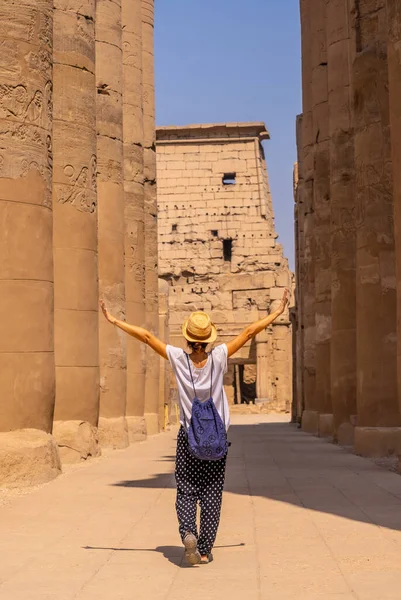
(198, 481)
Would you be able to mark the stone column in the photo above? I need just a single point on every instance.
(75, 230)
(134, 213)
(310, 416)
(320, 119)
(26, 266)
(282, 365)
(343, 240)
(113, 430)
(394, 66)
(294, 402)
(152, 400)
(378, 412)
(263, 366)
(298, 348)
(164, 385)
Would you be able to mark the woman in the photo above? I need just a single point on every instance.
(199, 375)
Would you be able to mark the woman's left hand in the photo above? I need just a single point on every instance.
(106, 313)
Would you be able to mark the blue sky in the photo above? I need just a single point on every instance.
(235, 60)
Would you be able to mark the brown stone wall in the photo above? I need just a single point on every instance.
(27, 379)
(75, 228)
(218, 246)
(357, 80)
(110, 190)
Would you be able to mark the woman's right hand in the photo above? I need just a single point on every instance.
(284, 301)
(106, 313)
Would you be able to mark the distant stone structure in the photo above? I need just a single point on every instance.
(348, 225)
(78, 220)
(218, 249)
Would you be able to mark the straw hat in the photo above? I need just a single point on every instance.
(199, 328)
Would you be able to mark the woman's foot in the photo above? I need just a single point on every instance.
(192, 555)
(206, 559)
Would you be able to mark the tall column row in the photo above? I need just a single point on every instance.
(351, 85)
(78, 215)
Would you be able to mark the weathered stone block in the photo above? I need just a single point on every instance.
(28, 457)
(77, 440)
(376, 442)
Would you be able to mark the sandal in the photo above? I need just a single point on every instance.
(205, 560)
(192, 555)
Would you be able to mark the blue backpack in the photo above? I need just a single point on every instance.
(207, 436)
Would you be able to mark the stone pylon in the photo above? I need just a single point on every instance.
(310, 416)
(321, 208)
(152, 399)
(113, 430)
(27, 453)
(378, 410)
(134, 212)
(75, 230)
(343, 240)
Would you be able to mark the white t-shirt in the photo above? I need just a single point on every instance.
(202, 381)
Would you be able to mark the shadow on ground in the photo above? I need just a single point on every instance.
(281, 463)
(173, 554)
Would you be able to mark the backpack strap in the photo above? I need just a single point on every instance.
(211, 375)
(190, 372)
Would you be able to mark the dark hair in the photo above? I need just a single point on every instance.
(192, 345)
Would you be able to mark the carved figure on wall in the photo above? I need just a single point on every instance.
(78, 193)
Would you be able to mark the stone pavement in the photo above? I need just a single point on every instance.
(302, 519)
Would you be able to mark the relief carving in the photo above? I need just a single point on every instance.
(17, 102)
(132, 54)
(81, 190)
(41, 62)
(46, 29)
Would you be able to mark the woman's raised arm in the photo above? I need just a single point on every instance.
(143, 335)
(252, 330)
